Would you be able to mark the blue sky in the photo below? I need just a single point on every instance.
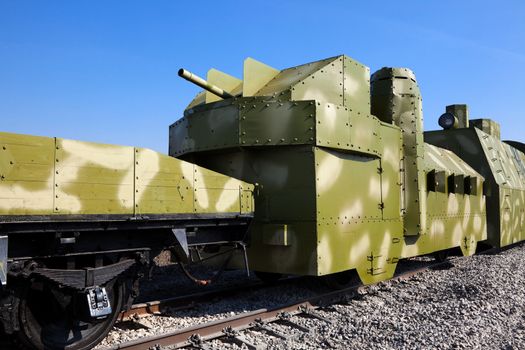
(106, 71)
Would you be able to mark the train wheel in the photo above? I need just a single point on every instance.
(58, 318)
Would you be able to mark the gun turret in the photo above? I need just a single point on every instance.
(183, 73)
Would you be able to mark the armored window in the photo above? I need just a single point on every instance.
(471, 185)
(436, 181)
(456, 184)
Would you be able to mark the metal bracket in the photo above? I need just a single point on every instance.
(98, 301)
(245, 256)
(374, 270)
(181, 248)
(3, 260)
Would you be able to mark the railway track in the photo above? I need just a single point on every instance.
(157, 307)
(232, 329)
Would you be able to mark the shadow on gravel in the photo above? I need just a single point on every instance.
(269, 296)
(445, 266)
(130, 325)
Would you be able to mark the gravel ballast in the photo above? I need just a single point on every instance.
(479, 303)
(476, 304)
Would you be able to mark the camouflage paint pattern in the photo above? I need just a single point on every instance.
(453, 216)
(396, 99)
(342, 178)
(503, 167)
(53, 176)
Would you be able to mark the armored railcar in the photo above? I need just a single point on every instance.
(502, 164)
(345, 179)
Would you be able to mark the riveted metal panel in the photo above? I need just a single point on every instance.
(437, 158)
(332, 126)
(288, 184)
(391, 141)
(265, 122)
(281, 85)
(396, 99)
(453, 219)
(180, 141)
(351, 233)
(286, 178)
(488, 126)
(471, 146)
(348, 186)
(341, 128)
(512, 207)
(213, 128)
(356, 86)
(373, 248)
(199, 99)
(162, 184)
(26, 174)
(325, 84)
(502, 161)
(298, 256)
(285, 195)
(506, 216)
(519, 163)
(365, 134)
(93, 178)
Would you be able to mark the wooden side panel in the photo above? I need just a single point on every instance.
(216, 193)
(47, 176)
(163, 184)
(93, 178)
(26, 174)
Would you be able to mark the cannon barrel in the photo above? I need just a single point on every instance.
(195, 79)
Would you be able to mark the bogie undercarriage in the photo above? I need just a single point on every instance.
(67, 282)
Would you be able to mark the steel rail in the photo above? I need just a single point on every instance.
(156, 307)
(219, 328)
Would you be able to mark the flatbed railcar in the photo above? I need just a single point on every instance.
(80, 223)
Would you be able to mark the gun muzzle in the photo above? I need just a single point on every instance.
(195, 79)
